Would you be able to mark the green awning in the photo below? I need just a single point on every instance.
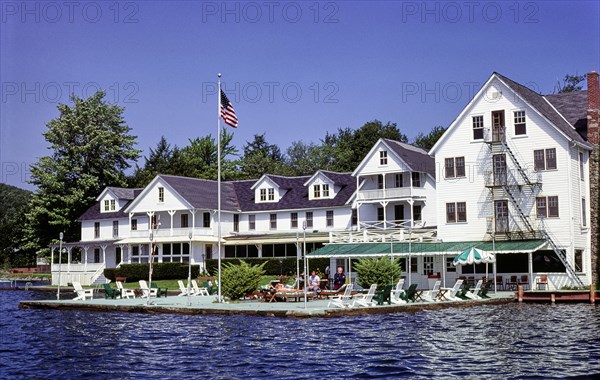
(342, 250)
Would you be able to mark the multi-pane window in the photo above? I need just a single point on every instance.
(520, 126)
(544, 159)
(273, 221)
(380, 181)
(578, 260)
(96, 230)
(134, 224)
(325, 190)
(115, 228)
(271, 194)
(383, 159)
(236, 222)
(477, 127)
(354, 217)
(583, 213)
(427, 265)
(450, 267)
(206, 220)
(251, 222)
(184, 221)
(455, 167)
(294, 220)
(113, 205)
(161, 194)
(379, 214)
(416, 179)
(456, 212)
(309, 219)
(329, 218)
(106, 205)
(317, 191)
(263, 195)
(581, 166)
(398, 180)
(547, 207)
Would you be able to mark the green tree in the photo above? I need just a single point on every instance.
(570, 84)
(91, 147)
(239, 280)
(199, 158)
(260, 158)
(160, 161)
(13, 204)
(427, 141)
(381, 271)
(306, 159)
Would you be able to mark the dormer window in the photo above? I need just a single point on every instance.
(383, 157)
(263, 195)
(106, 205)
(161, 194)
(112, 205)
(317, 191)
(271, 196)
(325, 190)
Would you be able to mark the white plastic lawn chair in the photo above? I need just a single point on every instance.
(431, 295)
(197, 291)
(342, 300)
(82, 294)
(126, 293)
(451, 294)
(397, 292)
(365, 300)
(147, 292)
(183, 289)
(472, 294)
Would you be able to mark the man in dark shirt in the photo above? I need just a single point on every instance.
(339, 278)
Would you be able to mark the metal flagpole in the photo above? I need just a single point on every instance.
(219, 187)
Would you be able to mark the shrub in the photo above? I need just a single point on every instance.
(381, 271)
(241, 279)
(160, 271)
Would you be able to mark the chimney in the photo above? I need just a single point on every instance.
(593, 111)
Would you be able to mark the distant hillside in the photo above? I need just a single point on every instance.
(13, 204)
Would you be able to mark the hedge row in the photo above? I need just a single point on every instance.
(274, 266)
(160, 271)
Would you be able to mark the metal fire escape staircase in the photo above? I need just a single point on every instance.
(508, 184)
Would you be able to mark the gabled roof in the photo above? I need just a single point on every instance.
(573, 106)
(297, 195)
(267, 178)
(544, 106)
(317, 174)
(415, 157)
(119, 192)
(202, 193)
(95, 212)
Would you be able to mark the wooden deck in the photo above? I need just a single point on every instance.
(554, 296)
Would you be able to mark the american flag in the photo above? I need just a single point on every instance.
(227, 111)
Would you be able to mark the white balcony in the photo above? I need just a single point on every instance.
(176, 232)
(393, 193)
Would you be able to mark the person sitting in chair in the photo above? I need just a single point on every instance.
(339, 279)
(313, 282)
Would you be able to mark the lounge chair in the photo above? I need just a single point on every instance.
(198, 291)
(474, 294)
(397, 292)
(110, 292)
(410, 294)
(125, 293)
(431, 295)
(342, 300)
(146, 291)
(384, 295)
(183, 289)
(365, 300)
(451, 292)
(82, 294)
(159, 291)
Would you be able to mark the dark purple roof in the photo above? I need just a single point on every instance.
(202, 193)
(415, 157)
(121, 193)
(573, 106)
(539, 103)
(296, 196)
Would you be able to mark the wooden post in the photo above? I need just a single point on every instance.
(552, 298)
(520, 293)
(592, 293)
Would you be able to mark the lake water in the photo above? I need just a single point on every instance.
(507, 341)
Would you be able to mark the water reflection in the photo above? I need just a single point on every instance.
(509, 341)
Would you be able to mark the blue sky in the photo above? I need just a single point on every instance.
(293, 70)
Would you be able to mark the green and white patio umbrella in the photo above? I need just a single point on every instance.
(473, 256)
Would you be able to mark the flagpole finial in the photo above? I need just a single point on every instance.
(219, 75)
